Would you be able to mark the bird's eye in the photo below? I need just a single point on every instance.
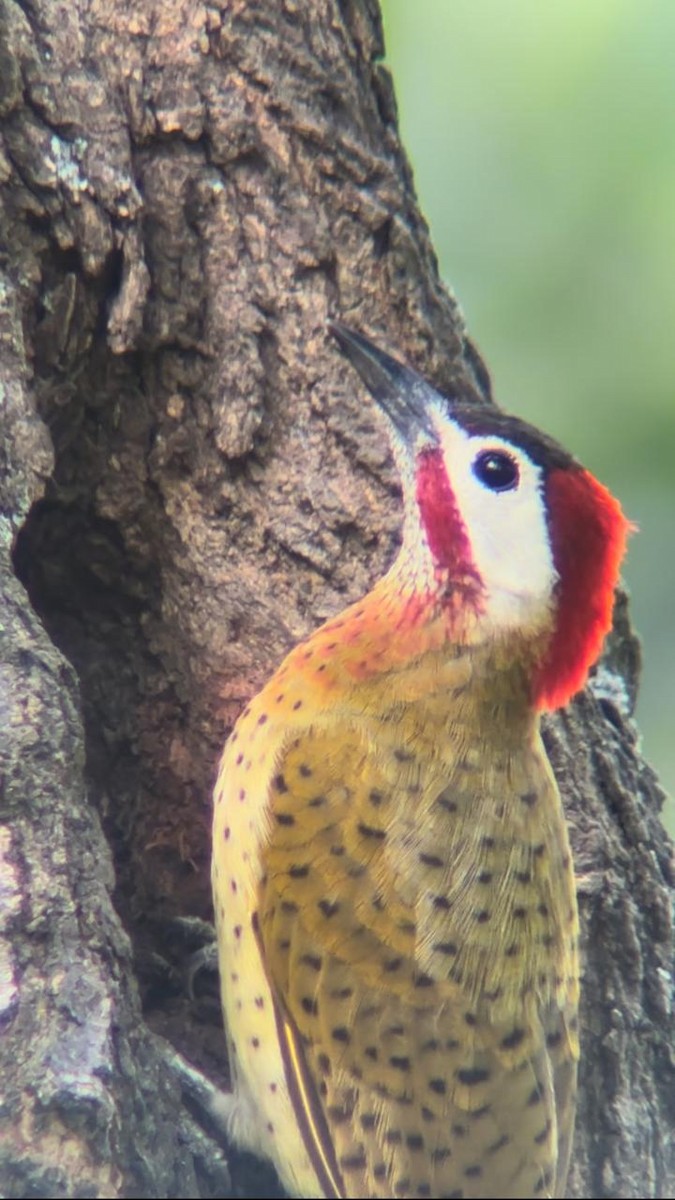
(496, 470)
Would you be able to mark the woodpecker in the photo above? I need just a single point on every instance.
(392, 877)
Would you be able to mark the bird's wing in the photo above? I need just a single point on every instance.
(404, 1084)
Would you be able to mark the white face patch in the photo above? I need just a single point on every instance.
(506, 528)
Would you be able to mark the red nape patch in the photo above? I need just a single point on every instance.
(588, 535)
(446, 536)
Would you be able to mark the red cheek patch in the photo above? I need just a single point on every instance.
(588, 535)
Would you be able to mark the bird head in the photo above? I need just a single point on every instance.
(504, 530)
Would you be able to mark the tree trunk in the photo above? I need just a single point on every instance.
(191, 481)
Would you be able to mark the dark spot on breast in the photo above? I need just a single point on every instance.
(472, 1076)
(482, 916)
(371, 1053)
(438, 1086)
(442, 902)
(298, 872)
(519, 913)
(289, 906)
(539, 850)
(341, 1034)
(524, 876)
(370, 831)
(262, 718)
(392, 964)
(393, 1137)
(323, 1063)
(445, 802)
(376, 797)
(423, 981)
(329, 907)
(305, 771)
(309, 1006)
(441, 1154)
(403, 756)
(487, 843)
(529, 799)
(399, 1062)
(554, 1039)
(316, 802)
(535, 1097)
(367, 1120)
(471, 1018)
(284, 818)
(474, 1171)
(512, 1039)
(449, 948)
(431, 860)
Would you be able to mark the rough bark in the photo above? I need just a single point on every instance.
(191, 481)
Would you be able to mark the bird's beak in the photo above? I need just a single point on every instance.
(403, 395)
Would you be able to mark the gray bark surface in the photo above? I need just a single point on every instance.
(190, 481)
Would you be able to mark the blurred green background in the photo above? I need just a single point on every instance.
(542, 138)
